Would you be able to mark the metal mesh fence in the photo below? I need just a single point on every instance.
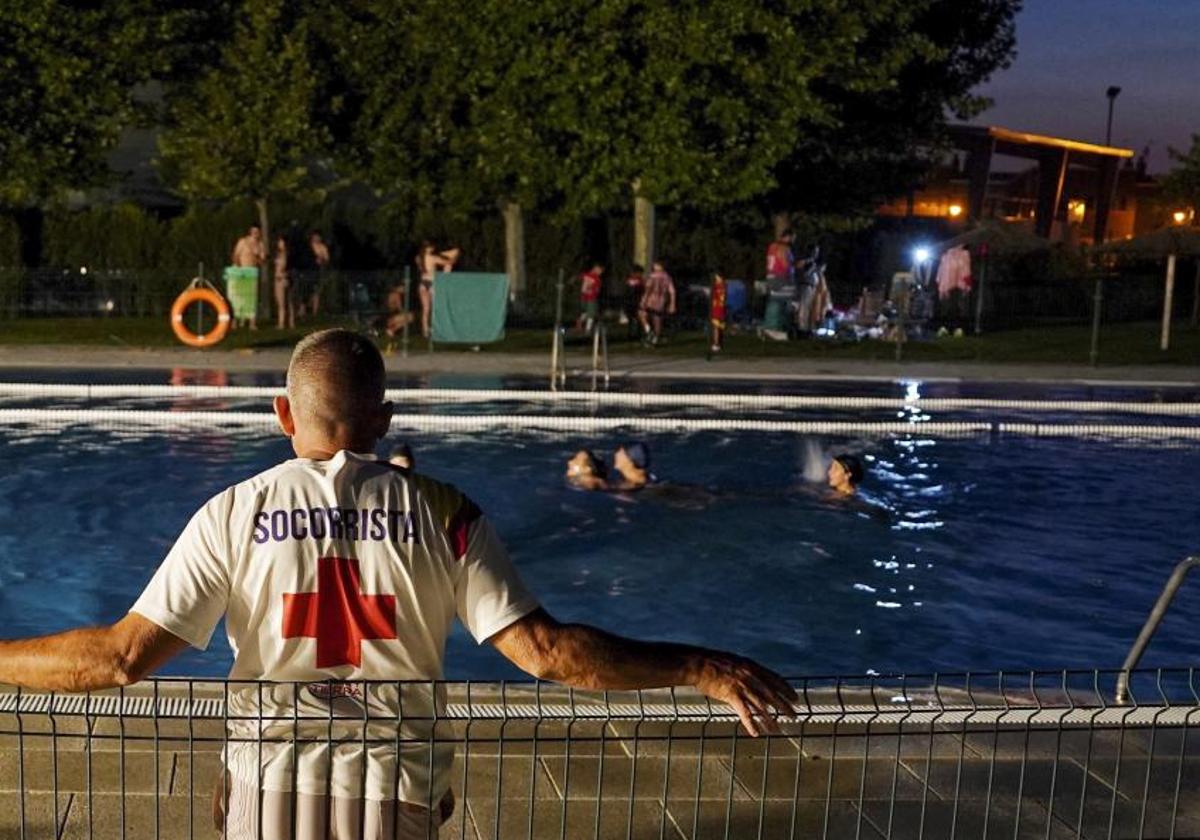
(1023, 754)
(83, 292)
(1011, 299)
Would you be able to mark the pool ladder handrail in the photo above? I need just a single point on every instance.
(1151, 626)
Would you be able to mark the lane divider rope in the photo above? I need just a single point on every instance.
(617, 398)
(479, 422)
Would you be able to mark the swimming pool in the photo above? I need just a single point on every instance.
(983, 551)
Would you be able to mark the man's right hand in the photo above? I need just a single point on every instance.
(756, 693)
(587, 657)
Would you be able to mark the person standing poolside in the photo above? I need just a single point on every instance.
(781, 260)
(635, 285)
(658, 301)
(429, 263)
(335, 567)
(320, 261)
(250, 252)
(285, 305)
(589, 297)
(716, 312)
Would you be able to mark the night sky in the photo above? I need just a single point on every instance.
(1070, 51)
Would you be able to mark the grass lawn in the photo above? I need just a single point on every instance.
(1120, 344)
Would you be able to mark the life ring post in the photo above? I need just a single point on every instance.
(200, 291)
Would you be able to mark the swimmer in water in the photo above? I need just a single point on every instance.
(632, 462)
(586, 472)
(845, 474)
(402, 457)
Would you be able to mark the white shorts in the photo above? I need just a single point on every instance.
(384, 820)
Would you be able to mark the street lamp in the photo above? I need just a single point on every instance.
(1112, 93)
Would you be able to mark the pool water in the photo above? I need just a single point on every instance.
(975, 553)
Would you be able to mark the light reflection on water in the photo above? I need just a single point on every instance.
(971, 553)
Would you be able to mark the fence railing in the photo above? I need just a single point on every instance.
(1015, 302)
(1028, 754)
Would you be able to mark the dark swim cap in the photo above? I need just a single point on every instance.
(853, 465)
(638, 454)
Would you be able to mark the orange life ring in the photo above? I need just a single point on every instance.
(199, 294)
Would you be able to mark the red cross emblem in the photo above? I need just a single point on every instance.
(337, 615)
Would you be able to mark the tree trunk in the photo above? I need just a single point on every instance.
(514, 248)
(263, 310)
(643, 228)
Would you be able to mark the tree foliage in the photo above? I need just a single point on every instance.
(247, 126)
(72, 71)
(704, 103)
(1182, 183)
(884, 138)
(65, 99)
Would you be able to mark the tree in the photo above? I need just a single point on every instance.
(444, 115)
(574, 108)
(883, 139)
(65, 100)
(72, 72)
(1182, 183)
(247, 127)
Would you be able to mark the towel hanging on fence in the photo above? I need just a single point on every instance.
(469, 308)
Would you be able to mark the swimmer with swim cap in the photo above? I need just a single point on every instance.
(845, 474)
(402, 457)
(586, 472)
(632, 462)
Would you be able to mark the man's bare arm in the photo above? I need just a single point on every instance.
(587, 657)
(90, 658)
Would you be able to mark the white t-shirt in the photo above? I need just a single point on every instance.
(341, 570)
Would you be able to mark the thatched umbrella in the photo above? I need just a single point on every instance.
(992, 238)
(998, 238)
(1169, 243)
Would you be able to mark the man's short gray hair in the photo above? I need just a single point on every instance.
(334, 376)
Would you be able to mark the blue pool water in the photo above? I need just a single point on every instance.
(977, 553)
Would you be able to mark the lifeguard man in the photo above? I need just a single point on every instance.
(333, 568)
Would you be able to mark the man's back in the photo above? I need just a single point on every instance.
(331, 572)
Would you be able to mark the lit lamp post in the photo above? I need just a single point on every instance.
(1112, 93)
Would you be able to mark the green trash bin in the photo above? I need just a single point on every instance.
(241, 290)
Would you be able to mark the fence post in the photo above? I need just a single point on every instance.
(1097, 305)
(557, 350)
(979, 288)
(1168, 299)
(1196, 297)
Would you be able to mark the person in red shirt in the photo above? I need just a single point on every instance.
(589, 297)
(781, 260)
(716, 312)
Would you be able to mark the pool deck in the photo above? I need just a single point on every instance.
(633, 366)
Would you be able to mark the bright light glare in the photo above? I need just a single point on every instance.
(955, 210)
(921, 254)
